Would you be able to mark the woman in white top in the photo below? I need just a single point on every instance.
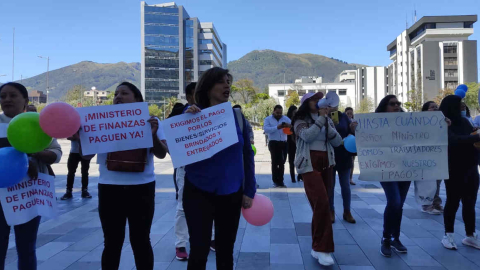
(125, 195)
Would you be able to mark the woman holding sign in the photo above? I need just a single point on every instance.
(315, 158)
(213, 187)
(462, 166)
(14, 100)
(126, 191)
(396, 193)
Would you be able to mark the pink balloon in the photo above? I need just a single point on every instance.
(60, 120)
(261, 211)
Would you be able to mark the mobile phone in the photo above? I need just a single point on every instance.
(334, 117)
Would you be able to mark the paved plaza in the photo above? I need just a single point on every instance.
(74, 240)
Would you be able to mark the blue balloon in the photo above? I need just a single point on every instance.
(460, 93)
(463, 87)
(349, 144)
(13, 166)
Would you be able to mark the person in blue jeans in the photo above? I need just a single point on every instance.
(343, 165)
(396, 193)
(13, 101)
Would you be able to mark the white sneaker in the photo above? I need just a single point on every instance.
(472, 241)
(323, 258)
(449, 242)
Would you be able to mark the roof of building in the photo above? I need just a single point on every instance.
(435, 19)
(36, 93)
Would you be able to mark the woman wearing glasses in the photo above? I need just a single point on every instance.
(396, 193)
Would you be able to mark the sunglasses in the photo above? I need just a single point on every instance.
(395, 103)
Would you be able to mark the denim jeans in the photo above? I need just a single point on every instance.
(396, 193)
(25, 240)
(344, 179)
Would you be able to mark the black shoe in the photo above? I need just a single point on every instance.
(67, 196)
(398, 246)
(293, 180)
(386, 249)
(299, 178)
(85, 194)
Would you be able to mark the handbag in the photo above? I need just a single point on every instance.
(127, 161)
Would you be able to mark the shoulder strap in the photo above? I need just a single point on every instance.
(239, 117)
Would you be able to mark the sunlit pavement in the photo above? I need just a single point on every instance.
(74, 240)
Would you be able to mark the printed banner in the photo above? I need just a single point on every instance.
(402, 146)
(195, 137)
(115, 128)
(28, 199)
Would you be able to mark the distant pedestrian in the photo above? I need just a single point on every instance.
(351, 116)
(218, 187)
(31, 108)
(463, 171)
(273, 125)
(396, 193)
(249, 126)
(72, 164)
(427, 192)
(13, 101)
(343, 163)
(466, 113)
(126, 192)
(292, 147)
(315, 158)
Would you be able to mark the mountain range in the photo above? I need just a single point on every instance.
(262, 66)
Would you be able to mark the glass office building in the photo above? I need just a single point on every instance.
(176, 49)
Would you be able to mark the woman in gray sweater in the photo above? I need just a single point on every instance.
(316, 137)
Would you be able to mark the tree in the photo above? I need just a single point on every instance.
(258, 112)
(442, 93)
(167, 107)
(292, 98)
(243, 91)
(109, 100)
(415, 95)
(154, 110)
(471, 99)
(366, 105)
(74, 97)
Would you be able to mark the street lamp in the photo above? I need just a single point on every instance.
(48, 66)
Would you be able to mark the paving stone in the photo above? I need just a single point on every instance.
(253, 260)
(343, 237)
(85, 266)
(285, 254)
(303, 229)
(350, 255)
(61, 260)
(417, 257)
(283, 236)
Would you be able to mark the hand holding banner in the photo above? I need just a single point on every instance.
(195, 137)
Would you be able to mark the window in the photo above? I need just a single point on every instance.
(451, 61)
(332, 90)
(468, 24)
(451, 84)
(311, 91)
(281, 93)
(206, 62)
(450, 49)
(342, 92)
(302, 92)
(451, 73)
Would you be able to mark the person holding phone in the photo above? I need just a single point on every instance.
(277, 143)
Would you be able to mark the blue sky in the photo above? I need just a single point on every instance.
(108, 31)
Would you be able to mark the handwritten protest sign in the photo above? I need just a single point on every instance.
(402, 146)
(115, 128)
(28, 199)
(195, 137)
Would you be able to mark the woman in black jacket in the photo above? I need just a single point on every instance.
(292, 146)
(464, 180)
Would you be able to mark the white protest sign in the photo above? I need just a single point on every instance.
(195, 137)
(28, 199)
(402, 146)
(115, 128)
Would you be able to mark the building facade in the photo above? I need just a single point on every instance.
(36, 97)
(98, 96)
(346, 91)
(175, 50)
(432, 55)
(372, 83)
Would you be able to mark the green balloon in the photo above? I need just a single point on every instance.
(25, 134)
(254, 150)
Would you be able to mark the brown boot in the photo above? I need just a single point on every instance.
(347, 216)
(332, 214)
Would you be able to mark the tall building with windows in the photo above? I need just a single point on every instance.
(431, 55)
(176, 50)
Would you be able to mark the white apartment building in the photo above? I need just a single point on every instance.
(346, 91)
(433, 54)
(369, 82)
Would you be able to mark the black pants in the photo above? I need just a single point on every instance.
(116, 205)
(201, 209)
(464, 187)
(278, 153)
(292, 149)
(72, 165)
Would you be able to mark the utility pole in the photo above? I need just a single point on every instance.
(13, 55)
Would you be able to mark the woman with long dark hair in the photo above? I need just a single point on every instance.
(462, 167)
(291, 144)
(218, 187)
(316, 137)
(14, 100)
(427, 192)
(396, 193)
(126, 192)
